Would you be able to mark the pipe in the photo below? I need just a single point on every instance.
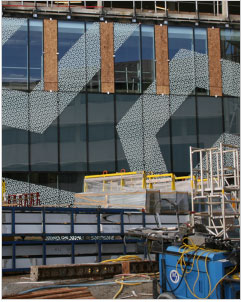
(79, 285)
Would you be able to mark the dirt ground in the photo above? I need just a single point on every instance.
(15, 284)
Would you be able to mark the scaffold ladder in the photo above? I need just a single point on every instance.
(215, 190)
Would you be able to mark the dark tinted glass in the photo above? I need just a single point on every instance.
(148, 55)
(44, 146)
(45, 179)
(210, 124)
(16, 176)
(184, 134)
(123, 105)
(35, 52)
(72, 123)
(163, 135)
(232, 115)
(14, 149)
(128, 65)
(15, 126)
(101, 132)
(72, 182)
(15, 54)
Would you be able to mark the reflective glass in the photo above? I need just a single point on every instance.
(15, 54)
(93, 56)
(35, 52)
(232, 115)
(17, 176)
(72, 122)
(201, 47)
(15, 126)
(210, 122)
(14, 149)
(184, 134)
(163, 135)
(69, 32)
(44, 179)
(71, 58)
(179, 38)
(148, 55)
(230, 44)
(101, 132)
(123, 105)
(72, 182)
(128, 65)
(44, 134)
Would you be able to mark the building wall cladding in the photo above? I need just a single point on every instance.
(122, 96)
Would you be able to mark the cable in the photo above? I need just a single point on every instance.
(123, 258)
(134, 282)
(80, 285)
(186, 249)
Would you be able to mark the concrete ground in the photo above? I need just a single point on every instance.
(12, 285)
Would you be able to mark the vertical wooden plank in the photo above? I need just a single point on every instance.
(50, 55)
(214, 57)
(107, 59)
(162, 66)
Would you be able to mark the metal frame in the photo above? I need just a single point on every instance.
(70, 238)
(216, 189)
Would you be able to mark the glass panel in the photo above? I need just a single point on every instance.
(128, 65)
(230, 44)
(232, 115)
(35, 52)
(43, 139)
(15, 126)
(123, 105)
(72, 123)
(14, 149)
(179, 38)
(71, 59)
(16, 176)
(15, 53)
(210, 122)
(72, 182)
(93, 56)
(44, 179)
(101, 132)
(184, 134)
(201, 62)
(182, 59)
(148, 55)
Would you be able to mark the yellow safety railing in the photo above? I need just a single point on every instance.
(155, 176)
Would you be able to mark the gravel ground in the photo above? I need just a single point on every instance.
(12, 285)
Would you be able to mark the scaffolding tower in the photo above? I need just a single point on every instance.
(215, 190)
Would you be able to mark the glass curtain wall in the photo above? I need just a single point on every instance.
(210, 120)
(184, 134)
(128, 64)
(101, 132)
(72, 127)
(71, 58)
(148, 55)
(230, 44)
(35, 54)
(15, 54)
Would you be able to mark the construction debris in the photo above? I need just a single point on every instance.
(59, 293)
(92, 271)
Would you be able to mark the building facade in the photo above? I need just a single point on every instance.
(84, 93)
